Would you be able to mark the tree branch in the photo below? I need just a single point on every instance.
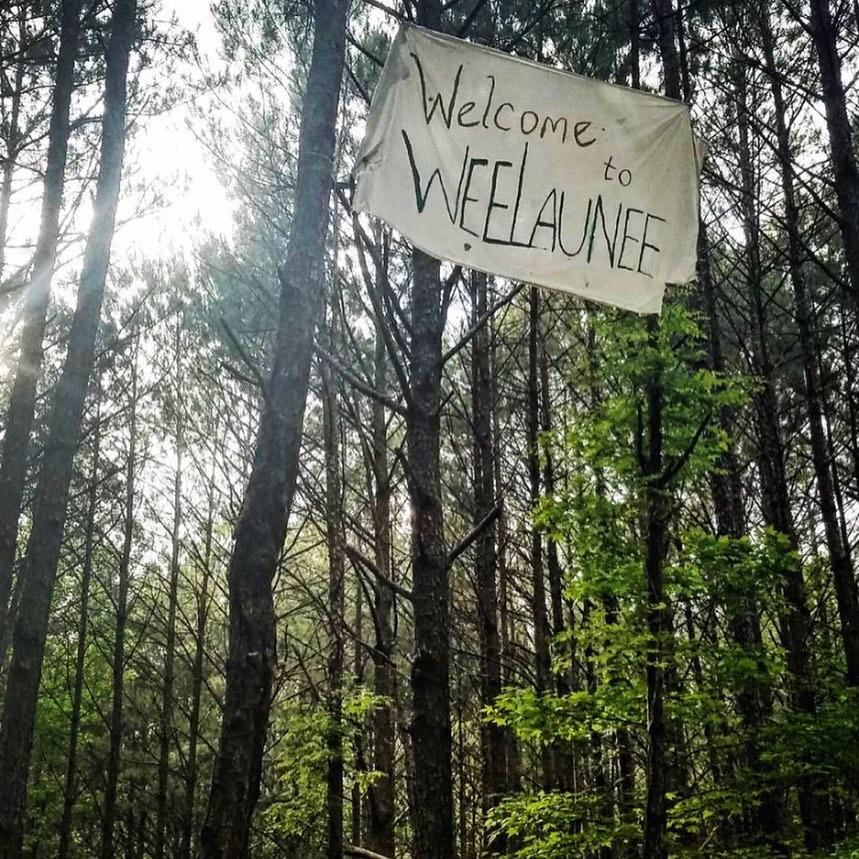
(473, 534)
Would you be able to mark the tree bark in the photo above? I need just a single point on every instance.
(49, 508)
(261, 528)
(22, 401)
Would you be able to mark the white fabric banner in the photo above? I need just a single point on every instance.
(524, 171)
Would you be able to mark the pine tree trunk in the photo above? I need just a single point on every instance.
(754, 702)
(796, 624)
(840, 134)
(657, 515)
(22, 401)
(485, 559)
(336, 563)
(108, 820)
(380, 830)
(202, 619)
(166, 717)
(430, 728)
(512, 773)
(542, 631)
(49, 508)
(12, 134)
(71, 781)
(839, 552)
(261, 528)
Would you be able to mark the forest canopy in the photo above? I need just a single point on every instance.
(313, 545)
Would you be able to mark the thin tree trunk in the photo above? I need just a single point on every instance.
(380, 830)
(108, 820)
(493, 781)
(166, 716)
(70, 790)
(336, 564)
(22, 401)
(13, 134)
(512, 775)
(542, 631)
(261, 528)
(202, 620)
(49, 508)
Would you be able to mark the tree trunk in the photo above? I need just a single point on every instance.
(12, 134)
(70, 790)
(49, 508)
(166, 716)
(336, 564)
(796, 624)
(542, 631)
(493, 781)
(22, 401)
(840, 134)
(202, 620)
(261, 528)
(839, 552)
(431, 725)
(380, 830)
(512, 775)
(108, 820)
(657, 514)
(430, 728)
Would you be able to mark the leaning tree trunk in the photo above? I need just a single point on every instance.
(19, 418)
(108, 820)
(261, 528)
(52, 490)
